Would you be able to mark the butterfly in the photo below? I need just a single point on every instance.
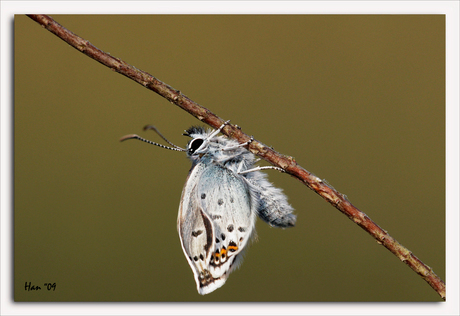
(222, 196)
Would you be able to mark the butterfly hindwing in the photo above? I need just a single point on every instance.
(216, 220)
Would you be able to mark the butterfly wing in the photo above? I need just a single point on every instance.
(215, 222)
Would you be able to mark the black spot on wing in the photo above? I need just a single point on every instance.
(230, 228)
(197, 233)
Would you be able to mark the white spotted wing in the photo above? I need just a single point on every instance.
(215, 222)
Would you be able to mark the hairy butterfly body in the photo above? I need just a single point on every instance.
(220, 200)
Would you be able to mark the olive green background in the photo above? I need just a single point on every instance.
(357, 100)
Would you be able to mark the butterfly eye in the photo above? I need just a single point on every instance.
(195, 144)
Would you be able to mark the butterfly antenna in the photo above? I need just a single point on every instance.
(134, 136)
(147, 127)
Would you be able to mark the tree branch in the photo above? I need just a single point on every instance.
(288, 163)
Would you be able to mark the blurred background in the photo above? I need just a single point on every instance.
(359, 100)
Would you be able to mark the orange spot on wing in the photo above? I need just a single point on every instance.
(233, 248)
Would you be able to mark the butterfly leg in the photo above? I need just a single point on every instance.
(239, 145)
(261, 168)
(217, 131)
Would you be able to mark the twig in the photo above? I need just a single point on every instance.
(328, 193)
